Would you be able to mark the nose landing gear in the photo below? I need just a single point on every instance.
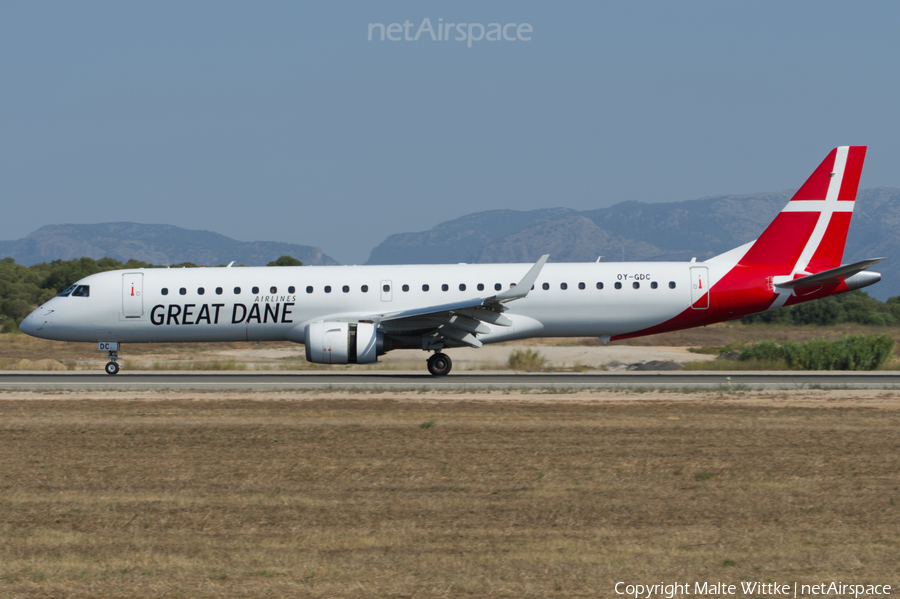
(111, 366)
(439, 364)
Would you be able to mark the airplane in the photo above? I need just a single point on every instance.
(355, 314)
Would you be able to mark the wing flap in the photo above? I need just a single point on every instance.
(459, 335)
(462, 321)
(492, 303)
(429, 310)
(487, 315)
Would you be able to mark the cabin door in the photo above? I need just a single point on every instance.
(699, 287)
(132, 291)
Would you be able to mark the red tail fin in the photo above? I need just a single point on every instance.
(809, 234)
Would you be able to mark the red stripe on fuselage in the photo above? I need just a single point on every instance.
(744, 290)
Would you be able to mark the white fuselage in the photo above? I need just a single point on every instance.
(353, 314)
(220, 304)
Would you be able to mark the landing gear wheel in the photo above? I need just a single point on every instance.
(112, 368)
(439, 364)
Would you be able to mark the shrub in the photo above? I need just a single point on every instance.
(526, 359)
(857, 352)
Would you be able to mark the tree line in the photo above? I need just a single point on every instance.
(23, 288)
(855, 306)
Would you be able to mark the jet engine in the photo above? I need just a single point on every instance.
(343, 343)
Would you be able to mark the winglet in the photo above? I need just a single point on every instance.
(524, 286)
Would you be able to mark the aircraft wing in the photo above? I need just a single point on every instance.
(833, 275)
(462, 321)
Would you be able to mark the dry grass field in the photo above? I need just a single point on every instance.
(443, 495)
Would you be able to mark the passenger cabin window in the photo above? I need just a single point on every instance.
(219, 291)
(82, 291)
(654, 285)
(671, 284)
(164, 291)
(255, 290)
(581, 285)
(237, 290)
(364, 288)
(182, 291)
(309, 289)
(618, 285)
(462, 286)
(346, 288)
(386, 288)
(636, 285)
(68, 290)
(405, 288)
(292, 289)
(480, 286)
(327, 288)
(563, 286)
(201, 291)
(545, 286)
(425, 287)
(599, 285)
(273, 290)
(445, 287)
(497, 286)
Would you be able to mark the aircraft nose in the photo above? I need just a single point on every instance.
(31, 324)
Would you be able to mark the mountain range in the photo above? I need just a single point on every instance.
(626, 231)
(156, 244)
(641, 231)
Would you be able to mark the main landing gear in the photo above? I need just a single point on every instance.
(111, 366)
(439, 364)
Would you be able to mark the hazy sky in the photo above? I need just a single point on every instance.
(282, 121)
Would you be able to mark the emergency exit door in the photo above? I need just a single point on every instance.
(132, 295)
(699, 287)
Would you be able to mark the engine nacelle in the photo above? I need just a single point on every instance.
(343, 343)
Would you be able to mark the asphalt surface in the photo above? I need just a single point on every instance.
(403, 380)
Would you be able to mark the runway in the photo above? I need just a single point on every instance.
(407, 381)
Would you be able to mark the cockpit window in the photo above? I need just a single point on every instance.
(82, 291)
(65, 292)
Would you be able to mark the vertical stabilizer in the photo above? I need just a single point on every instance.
(809, 234)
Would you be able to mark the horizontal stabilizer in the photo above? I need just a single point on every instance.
(834, 275)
